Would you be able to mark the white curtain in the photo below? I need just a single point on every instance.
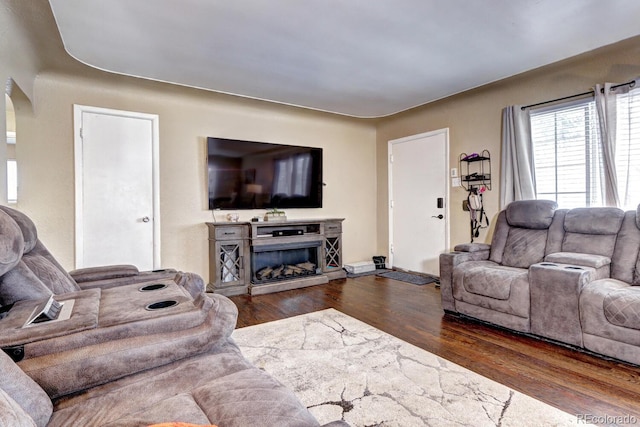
(627, 149)
(605, 100)
(619, 121)
(517, 173)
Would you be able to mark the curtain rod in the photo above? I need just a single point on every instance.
(632, 83)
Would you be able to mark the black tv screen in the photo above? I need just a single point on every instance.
(259, 175)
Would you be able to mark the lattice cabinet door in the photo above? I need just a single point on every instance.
(228, 255)
(333, 246)
(332, 252)
(230, 269)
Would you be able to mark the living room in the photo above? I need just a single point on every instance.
(48, 83)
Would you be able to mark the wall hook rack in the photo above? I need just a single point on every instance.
(475, 170)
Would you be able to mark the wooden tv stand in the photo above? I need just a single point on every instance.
(239, 250)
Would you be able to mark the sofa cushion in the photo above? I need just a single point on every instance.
(592, 313)
(592, 230)
(27, 227)
(534, 214)
(499, 239)
(21, 284)
(530, 215)
(622, 307)
(52, 277)
(36, 258)
(12, 414)
(52, 274)
(220, 387)
(11, 244)
(625, 254)
(589, 243)
(182, 407)
(524, 247)
(489, 282)
(593, 220)
(250, 397)
(24, 391)
(492, 286)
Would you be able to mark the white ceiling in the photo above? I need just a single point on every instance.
(362, 58)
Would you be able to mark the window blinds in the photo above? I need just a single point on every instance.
(567, 154)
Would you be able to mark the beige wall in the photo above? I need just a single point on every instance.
(474, 119)
(187, 117)
(355, 150)
(18, 68)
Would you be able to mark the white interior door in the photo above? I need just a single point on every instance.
(419, 194)
(117, 210)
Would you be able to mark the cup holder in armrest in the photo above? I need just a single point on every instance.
(153, 287)
(161, 304)
(548, 264)
(571, 267)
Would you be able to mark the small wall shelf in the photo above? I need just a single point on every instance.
(475, 170)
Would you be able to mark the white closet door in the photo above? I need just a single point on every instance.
(419, 191)
(116, 188)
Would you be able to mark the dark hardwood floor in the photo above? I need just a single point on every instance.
(573, 381)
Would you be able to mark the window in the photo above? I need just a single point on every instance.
(568, 156)
(12, 181)
(12, 165)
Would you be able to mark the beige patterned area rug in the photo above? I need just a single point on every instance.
(342, 368)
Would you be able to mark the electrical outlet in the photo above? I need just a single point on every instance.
(455, 182)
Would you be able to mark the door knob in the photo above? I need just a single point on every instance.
(145, 219)
(439, 216)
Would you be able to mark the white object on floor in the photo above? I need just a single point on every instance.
(360, 267)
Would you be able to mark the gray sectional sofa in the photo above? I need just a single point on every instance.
(571, 276)
(114, 356)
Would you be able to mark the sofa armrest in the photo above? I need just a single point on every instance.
(114, 276)
(451, 260)
(84, 316)
(91, 274)
(472, 247)
(601, 264)
(575, 258)
(555, 290)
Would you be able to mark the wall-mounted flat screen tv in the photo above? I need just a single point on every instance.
(259, 175)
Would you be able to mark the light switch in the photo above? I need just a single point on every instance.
(454, 172)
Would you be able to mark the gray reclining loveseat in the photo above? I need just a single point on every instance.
(134, 348)
(567, 275)
(110, 331)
